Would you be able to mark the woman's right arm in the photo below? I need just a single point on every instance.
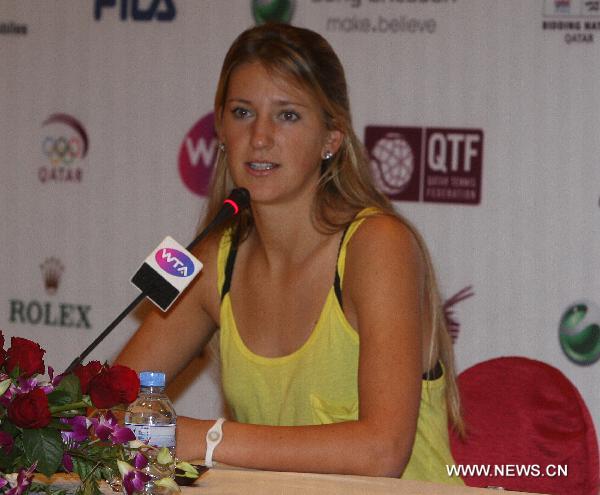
(168, 341)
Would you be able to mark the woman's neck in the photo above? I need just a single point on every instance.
(286, 234)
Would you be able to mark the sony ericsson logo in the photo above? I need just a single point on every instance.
(579, 332)
(272, 11)
(174, 262)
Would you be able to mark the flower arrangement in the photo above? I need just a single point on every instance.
(45, 428)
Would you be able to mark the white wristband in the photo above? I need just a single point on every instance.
(213, 439)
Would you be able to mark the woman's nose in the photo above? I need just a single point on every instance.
(262, 133)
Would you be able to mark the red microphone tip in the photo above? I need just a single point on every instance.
(236, 208)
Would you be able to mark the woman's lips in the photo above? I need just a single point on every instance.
(261, 167)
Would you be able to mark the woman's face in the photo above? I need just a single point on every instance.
(274, 135)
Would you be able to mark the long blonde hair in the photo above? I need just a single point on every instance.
(307, 59)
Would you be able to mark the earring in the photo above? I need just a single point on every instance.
(222, 147)
(327, 155)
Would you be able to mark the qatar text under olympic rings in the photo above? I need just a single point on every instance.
(62, 150)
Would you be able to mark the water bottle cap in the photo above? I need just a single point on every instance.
(152, 379)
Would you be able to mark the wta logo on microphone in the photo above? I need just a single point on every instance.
(174, 262)
(166, 273)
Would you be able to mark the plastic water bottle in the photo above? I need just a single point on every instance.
(152, 419)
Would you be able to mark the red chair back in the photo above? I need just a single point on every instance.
(528, 423)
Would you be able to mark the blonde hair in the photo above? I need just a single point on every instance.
(306, 58)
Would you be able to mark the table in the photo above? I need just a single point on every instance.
(230, 481)
(227, 480)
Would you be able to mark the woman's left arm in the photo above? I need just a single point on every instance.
(383, 298)
(384, 293)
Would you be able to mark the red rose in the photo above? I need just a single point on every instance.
(2, 351)
(86, 373)
(27, 355)
(115, 385)
(30, 410)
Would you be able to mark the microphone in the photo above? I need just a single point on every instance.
(238, 200)
(169, 269)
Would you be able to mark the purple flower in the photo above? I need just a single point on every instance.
(23, 480)
(107, 428)
(79, 429)
(26, 385)
(140, 461)
(6, 442)
(133, 479)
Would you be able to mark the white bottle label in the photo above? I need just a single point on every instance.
(156, 435)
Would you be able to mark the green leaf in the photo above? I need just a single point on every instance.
(44, 446)
(90, 487)
(15, 372)
(59, 398)
(9, 427)
(187, 468)
(4, 384)
(82, 467)
(164, 456)
(70, 384)
(10, 463)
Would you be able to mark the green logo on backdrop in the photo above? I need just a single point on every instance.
(579, 332)
(272, 11)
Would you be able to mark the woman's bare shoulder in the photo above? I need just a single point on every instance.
(205, 290)
(383, 232)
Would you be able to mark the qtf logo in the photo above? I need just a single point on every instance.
(198, 154)
(272, 11)
(138, 10)
(579, 332)
(439, 165)
(393, 164)
(174, 262)
(64, 143)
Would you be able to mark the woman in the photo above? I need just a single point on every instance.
(331, 328)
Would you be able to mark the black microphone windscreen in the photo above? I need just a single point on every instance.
(241, 197)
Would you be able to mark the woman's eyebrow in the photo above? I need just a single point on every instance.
(279, 102)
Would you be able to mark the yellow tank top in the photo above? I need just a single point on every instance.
(317, 384)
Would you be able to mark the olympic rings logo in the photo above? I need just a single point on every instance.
(62, 150)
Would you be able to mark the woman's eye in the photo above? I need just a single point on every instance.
(240, 113)
(290, 116)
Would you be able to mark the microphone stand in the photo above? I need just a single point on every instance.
(106, 331)
(243, 199)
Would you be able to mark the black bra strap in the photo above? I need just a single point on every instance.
(337, 283)
(434, 373)
(229, 269)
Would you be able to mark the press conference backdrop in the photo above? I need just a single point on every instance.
(480, 116)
